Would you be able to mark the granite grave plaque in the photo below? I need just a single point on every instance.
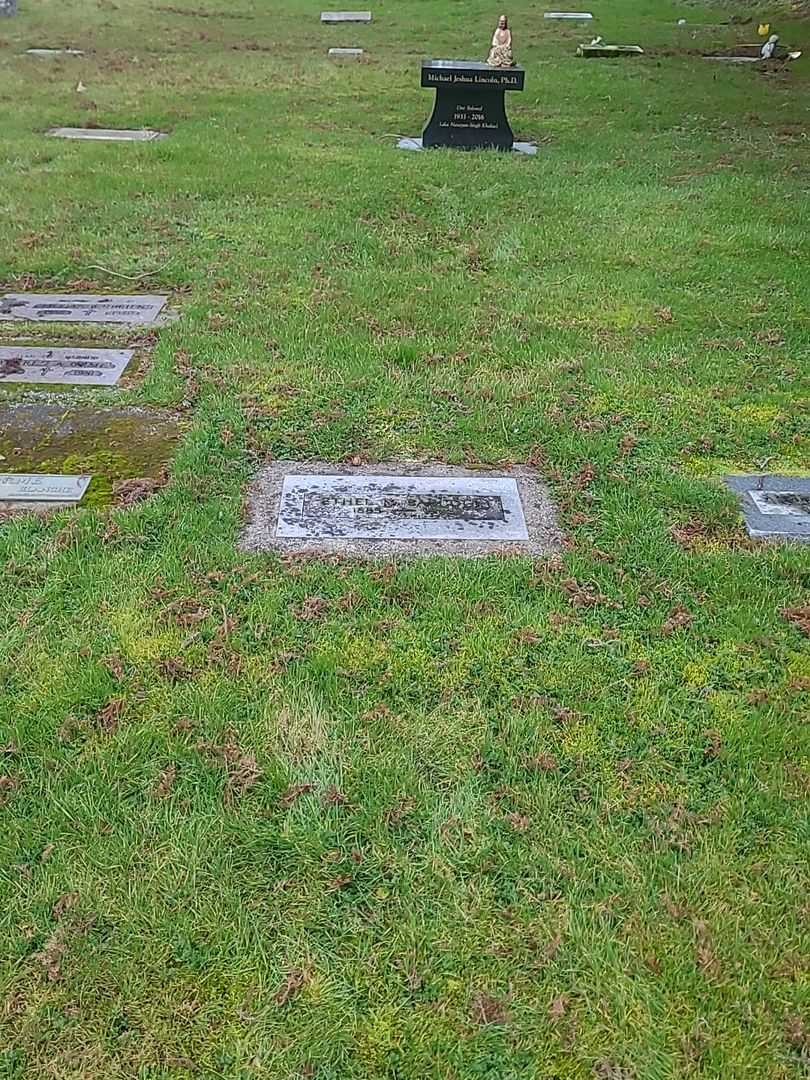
(70, 367)
(577, 16)
(774, 507)
(469, 111)
(60, 307)
(106, 134)
(349, 54)
(346, 16)
(42, 487)
(404, 507)
(400, 507)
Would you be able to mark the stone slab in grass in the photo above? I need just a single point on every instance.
(774, 507)
(64, 307)
(577, 16)
(42, 487)
(400, 508)
(346, 54)
(107, 134)
(416, 144)
(114, 444)
(345, 16)
(63, 366)
(54, 52)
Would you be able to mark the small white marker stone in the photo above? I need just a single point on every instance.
(67, 307)
(580, 16)
(345, 16)
(106, 134)
(42, 487)
(54, 52)
(345, 52)
(68, 367)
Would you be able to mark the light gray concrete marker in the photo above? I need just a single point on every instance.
(398, 508)
(67, 307)
(346, 52)
(106, 134)
(42, 487)
(68, 367)
(346, 16)
(579, 16)
(54, 52)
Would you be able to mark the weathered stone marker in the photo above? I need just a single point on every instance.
(66, 307)
(42, 487)
(400, 507)
(107, 134)
(379, 510)
(774, 507)
(469, 111)
(577, 16)
(346, 54)
(346, 16)
(54, 52)
(70, 367)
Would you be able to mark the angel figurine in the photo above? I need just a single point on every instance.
(500, 55)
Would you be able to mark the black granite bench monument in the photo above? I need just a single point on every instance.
(469, 112)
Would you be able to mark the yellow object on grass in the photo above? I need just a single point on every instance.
(764, 29)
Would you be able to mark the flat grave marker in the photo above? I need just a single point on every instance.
(61, 307)
(398, 508)
(54, 52)
(64, 366)
(774, 507)
(345, 16)
(106, 134)
(578, 16)
(42, 487)
(348, 53)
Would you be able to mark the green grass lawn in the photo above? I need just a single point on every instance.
(277, 818)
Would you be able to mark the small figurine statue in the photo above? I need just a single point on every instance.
(769, 48)
(500, 55)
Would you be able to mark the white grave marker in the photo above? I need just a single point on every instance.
(106, 134)
(69, 367)
(41, 487)
(345, 16)
(65, 307)
(400, 508)
(54, 52)
(579, 16)
(346, 52)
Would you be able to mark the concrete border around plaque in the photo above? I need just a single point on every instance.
(416, 144)
(63, 366)
(345, 16)
(399, 508)
(107, 134)
(139, 310)
(42, 488)
(350, 54)
(774, 507)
